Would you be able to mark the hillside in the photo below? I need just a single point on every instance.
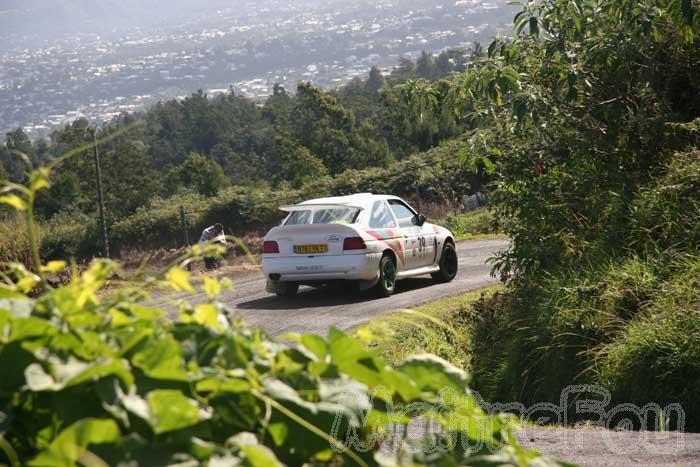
(210, 154)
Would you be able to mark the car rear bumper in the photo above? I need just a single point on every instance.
(322, 268)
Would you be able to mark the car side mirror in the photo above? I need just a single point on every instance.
(419, 220)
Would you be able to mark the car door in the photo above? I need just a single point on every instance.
(419, 239)
(384, 228)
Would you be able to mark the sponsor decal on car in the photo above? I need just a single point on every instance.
(391, 239)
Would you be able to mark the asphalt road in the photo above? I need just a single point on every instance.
(596, 447)
(315, 310)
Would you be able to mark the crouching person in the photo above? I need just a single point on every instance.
(214, 233)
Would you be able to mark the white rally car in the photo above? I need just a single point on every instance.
(373, 240)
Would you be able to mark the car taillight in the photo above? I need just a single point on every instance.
(354, 243)
(270, 247)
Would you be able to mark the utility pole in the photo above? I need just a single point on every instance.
(100, 197)
(183, 221)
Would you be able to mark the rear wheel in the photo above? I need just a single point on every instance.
(449, 264)
(387, 277)
(287, 289)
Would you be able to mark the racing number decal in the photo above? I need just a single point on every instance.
(421, 244)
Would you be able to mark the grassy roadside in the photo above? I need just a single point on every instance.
(441, 327)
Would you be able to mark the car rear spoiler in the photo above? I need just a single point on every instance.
(305, 207)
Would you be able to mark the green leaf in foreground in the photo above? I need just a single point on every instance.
(71, 444)
(171, 410)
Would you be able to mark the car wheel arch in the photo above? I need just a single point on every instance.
(391, 254)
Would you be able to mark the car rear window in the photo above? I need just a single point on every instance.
(324, 216)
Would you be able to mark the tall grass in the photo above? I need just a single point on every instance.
(441, 327)
(632, 326)
(656, 357)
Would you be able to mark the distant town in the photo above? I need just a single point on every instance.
(98, 78)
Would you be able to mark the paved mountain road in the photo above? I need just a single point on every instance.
(315, 310)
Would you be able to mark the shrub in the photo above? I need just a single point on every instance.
(14, 243)
(158, 223)
(116, 381)
(465, 225)
(70, 235)
(199, 173)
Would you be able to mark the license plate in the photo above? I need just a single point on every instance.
(310, 249)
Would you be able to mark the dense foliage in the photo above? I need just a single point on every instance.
(437, 176)
(98, 377)
(590, 116)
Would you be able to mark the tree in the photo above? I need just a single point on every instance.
(42, 152)
(330, 132)
(477, 51)
(375, 82)
(419, 101)
(405, 70)
(245, 168)
(425, 67)
(18, 140)
(371, 149)
(63, 194)
(74, 181)
(297, 164)
(565, 114)
(129, 179)
(17, 154)
(323, 126)
(198, 173)
(205, 125)
(443, 65)
(278, 106)
(5, 210)
(168, 133)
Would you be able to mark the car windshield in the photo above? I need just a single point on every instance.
(339, 215)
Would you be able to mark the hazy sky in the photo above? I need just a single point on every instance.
(29, 23)
(46, 18)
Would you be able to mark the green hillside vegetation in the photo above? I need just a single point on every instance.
(222, 157)
(590, 116)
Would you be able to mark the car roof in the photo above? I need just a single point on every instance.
(357, 199)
